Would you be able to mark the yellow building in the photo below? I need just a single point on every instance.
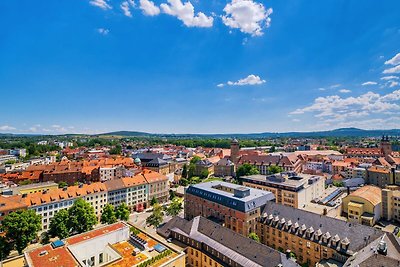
(312, 237)
(363, 205)
(391, 203)
(34, 188)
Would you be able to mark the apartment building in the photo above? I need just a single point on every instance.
(383, 176)
(363, 205)
(235, 206)
(158, 185)
(312, 237)
(289, 188)
(263, 162)
(208, 244)
(133, 191)
(391, 203)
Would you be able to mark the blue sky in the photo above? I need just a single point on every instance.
(168, 66)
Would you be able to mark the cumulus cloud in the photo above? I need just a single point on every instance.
(185, 13)
(394, 60)
(103, 4)
(247, 16)
(125, 6)
(332, 109)
(369, 83)
(149, 8)
(249, 80)
(7, 128)
(345, 91)
(103, 31)
(393, 84)
(386, 78)
(395, 69)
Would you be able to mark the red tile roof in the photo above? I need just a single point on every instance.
(46, 256)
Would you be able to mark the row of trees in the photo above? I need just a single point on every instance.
(249, 169)
(157, 216)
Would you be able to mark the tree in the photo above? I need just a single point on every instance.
(81, 217)
(21, 227)
(108, 214)
(184, 171)
(59, 225)
(175, 207)
(116, 150)
(153, 201)
(184, 181)
(156, 218)
(195, 159)
(172, 194)
(254, 236)
(62, 184)
(204, 174)
(5, 247)
(191, 170)
(274, 169)
(246, 169)
(122, 212)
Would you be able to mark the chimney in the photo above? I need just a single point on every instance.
(348, 190)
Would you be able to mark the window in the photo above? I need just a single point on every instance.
(101, 258)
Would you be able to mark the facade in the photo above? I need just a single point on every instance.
(363, 205)
(383, 176)
(208, 244)
(133, 191)
(391, 203)
(235, 206)
(263, 162)
(312, 237)
(203, 166)
(289, 188)
(157, 186)
(224, 167)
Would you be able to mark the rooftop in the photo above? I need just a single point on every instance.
(227, 194)
(369, 192)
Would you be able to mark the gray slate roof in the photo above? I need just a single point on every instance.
(239, 248)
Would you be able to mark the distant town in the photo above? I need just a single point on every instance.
(118, 200)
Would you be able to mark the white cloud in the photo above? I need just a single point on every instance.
(248, 16)
(345, 91)
(321, 89)
(249, 80)
(103, 4)
(149, 8)
(103, 31)
(369, 83)
(125, 6)
(185, 13)
(386, 78)
(393, 84)
(395, 69)
(7, 128)
(332, 109)
(394, 60)
(335, 86)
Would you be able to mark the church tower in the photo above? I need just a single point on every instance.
(235, 151)
(385, 146)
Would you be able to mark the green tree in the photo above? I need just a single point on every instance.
(184, 171)
(246, 169)
(81, 217)
(175, 207)
(195, 159)
(21, 227)
(62, 184)
(274, 169)
(156, 218)
(5, 247)
(153, 201)
(59, 225)
(204, 174)
(254, 236)
(172, 194)
(122, 212)
(108, 214)
(183, 181)
(191, 170)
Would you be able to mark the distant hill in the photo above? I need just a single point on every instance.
(341, 132)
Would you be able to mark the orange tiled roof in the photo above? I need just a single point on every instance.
(51, 257)
(11, 203)
(152, 177)
(379, 169)
(369, 192)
